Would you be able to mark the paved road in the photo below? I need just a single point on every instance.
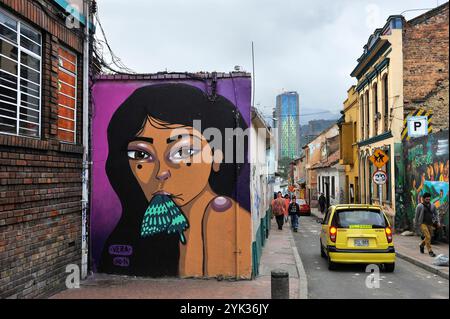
(349, 281)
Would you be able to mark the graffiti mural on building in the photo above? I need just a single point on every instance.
(155, 211)
(427, 170)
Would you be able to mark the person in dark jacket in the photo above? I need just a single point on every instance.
(427, 219)
(322, 203)
(294, 212)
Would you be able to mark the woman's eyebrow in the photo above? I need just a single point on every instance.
(179, 137)
(144, 139)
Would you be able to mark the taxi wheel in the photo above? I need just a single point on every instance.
(331, 265)
(389, 267)
(322, 253)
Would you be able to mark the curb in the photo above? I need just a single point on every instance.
(303, 280)
(422, 265)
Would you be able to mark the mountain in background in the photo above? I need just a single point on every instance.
(309, 131)
(307, 115)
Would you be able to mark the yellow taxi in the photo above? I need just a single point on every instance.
(357, 234)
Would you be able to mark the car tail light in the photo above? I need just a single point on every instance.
(333, 232)
(388, 231)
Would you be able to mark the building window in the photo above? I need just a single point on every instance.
(375, 108)
(355, 132)
(361, 108)
(20, 78)
(67, 95)
(367, 113)
(318, 184)
(333, 187)
(386, 102)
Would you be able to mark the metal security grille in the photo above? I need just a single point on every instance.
(20, 78)
(67, 95)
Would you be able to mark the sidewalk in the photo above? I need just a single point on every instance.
(407, 248)
(279, 253)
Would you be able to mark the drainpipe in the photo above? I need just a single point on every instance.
(85, 174)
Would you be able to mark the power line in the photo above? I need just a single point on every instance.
(116, 65)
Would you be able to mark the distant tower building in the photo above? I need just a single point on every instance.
(287, 115)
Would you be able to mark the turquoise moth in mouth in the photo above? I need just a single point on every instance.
(164, 216)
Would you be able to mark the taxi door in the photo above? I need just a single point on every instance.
(325, 228)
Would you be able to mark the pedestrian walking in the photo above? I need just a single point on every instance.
(279, 210)
(294, 212)
(322, 203)
(287, 202)
(427, 219)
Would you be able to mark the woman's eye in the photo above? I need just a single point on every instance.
(183, 153)
(138, 155)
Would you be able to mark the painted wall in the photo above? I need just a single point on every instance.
(336, 171)
(313, 156)
(351, 114)
(261, 186)
(155, 213)
(427, 167)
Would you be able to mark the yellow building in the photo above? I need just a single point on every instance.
(380, 93)
(348, 140)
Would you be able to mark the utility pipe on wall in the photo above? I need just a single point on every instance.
(86, 148)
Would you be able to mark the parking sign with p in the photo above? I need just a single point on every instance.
(417, 126)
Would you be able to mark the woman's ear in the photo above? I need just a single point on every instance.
(217, 160)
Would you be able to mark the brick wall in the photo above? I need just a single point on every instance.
(425, 53)
(40, 179)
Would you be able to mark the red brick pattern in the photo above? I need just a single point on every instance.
(425, 68)
(40, 179)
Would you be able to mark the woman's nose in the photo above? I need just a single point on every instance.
(163, 175)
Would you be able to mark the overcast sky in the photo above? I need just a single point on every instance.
(305, 46)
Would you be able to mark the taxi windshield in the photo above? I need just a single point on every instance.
(359, 219)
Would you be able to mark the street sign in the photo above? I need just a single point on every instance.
(417, 126)
(379, 158)
(379, 177)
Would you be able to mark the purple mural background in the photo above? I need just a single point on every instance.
(108, 95)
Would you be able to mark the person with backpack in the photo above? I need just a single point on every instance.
(427, 219)
(279, 210)
(294, 212)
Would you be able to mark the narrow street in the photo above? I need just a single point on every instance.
(348, 281)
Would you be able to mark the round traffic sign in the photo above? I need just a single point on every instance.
(379, 177)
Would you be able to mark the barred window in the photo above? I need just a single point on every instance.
(67, 95)
(20, 77)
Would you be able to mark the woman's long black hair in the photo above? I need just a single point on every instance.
(172, 103)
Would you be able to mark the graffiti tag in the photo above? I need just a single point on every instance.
(121, 261)
(121, 250)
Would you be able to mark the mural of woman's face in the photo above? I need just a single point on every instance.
(165, 161)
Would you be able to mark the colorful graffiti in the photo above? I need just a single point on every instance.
(156, 212)
(427, 170)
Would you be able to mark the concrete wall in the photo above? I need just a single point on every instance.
(166, 213)
(261, 186)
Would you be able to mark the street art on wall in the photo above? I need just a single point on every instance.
(156, 212)
(427, 170)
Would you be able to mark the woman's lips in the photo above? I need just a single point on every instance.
(162, 193)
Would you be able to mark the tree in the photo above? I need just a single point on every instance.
(283, 167)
